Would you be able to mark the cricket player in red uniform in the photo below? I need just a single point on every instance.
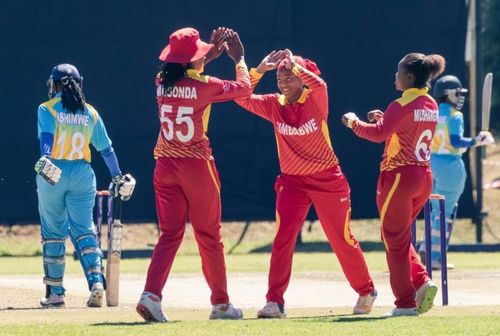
(185, 178)
(310, 174)
(405, 180)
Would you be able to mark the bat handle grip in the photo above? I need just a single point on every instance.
(118, 208)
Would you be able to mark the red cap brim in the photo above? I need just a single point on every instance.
(202, 49)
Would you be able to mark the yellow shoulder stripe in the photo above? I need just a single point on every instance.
(93, 113)
(411, 94)
(50, 105)
(191, 73)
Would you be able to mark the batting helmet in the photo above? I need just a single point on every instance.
(446, 84)
(63, 71)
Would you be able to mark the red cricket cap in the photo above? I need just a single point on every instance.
(185, 46)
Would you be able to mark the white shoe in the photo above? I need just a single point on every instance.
(53, 301)
(396, 312)
(225, 311)
(149, 307)
(364, 304)
(96, 296)
(425, 296)
(272, 310)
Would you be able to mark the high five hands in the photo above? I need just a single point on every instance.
(234, 48)
(271, 61)
(225, 39)
(218, 39)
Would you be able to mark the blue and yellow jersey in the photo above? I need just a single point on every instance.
(73, 132)
(451, 121)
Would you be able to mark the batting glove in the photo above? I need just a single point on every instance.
(123, 186)
(49, 171)
(349, 118)
(484, 138)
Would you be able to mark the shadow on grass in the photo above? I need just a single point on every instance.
(127, 324)
(339, 318)
(37, 308)
(318, 246)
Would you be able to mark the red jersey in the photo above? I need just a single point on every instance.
(407, 127)
(300, 128)
(185, 110)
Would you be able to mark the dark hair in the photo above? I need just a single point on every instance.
(423, 67)
(171, 73)
(72, 97)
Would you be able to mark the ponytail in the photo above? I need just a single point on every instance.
(423, 68)
(170, 74)
(72, 97)
(434, 64)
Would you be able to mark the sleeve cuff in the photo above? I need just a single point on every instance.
(241, 64)
(255, 74)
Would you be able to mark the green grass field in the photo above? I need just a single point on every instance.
(443, 321)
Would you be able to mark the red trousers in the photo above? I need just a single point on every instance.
(401, 195)
(329, 191)
(188, 188)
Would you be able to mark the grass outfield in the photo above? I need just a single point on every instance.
(249, 263)
(483, 320)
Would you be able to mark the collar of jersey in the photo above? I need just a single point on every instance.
(195, 74)
(303, 96)
(415, 91)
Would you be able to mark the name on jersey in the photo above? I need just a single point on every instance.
(425, 115)
(306, 128)
(73, 119)
(183, 92)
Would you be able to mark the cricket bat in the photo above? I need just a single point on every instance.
(113, 258)
(486, 101)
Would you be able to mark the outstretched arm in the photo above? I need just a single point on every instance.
(381, 130)
(224, 90)
(260, 104)
(313, 81)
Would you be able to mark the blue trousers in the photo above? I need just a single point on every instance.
(449, 180)
(66, 209)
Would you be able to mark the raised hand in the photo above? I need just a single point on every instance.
(290, 59)
(218, 39)
(271, 61)
(234, 48)
(374, 115)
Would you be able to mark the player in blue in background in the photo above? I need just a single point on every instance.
(66, 184)
(447, 166)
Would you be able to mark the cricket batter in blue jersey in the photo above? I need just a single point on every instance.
(66, 184)
(447, 166)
